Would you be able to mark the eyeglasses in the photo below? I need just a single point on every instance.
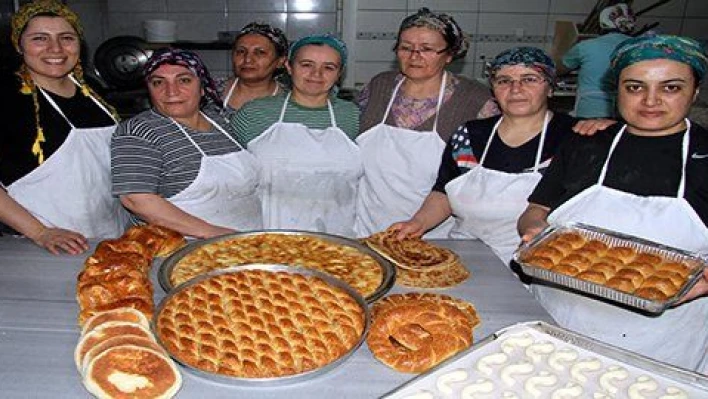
(423, 51)
(525, 81)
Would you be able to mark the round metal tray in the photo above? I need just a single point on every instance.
(269, 381)
(387, 268)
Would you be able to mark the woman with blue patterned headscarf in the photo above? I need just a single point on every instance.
(305, 141)
(174, 165)
(646, 178)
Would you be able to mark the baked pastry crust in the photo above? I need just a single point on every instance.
(392, 300)
(356, 268)
(260, 324)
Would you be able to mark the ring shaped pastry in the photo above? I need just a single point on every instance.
(413, 338)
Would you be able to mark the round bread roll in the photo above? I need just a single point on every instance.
(677, 267)
(120, 245)
(674, 277)
(631, 274)
(118, 341)
(104, 332)
(651, 293)
(413, 338)
(644, 268)
(561, 245)
(607, 269)
(565, 268)
(551, 253)
(589, 254)
(646, 257)
(616, 263)
(621, 284)
(540, 261)
(143, 305)
(625, 254)
(592, 276)
(120, 314)
(130, 371)
(665, 285)
(576, 240)
(596, 245)
(580, 262)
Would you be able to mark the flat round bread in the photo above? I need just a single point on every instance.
(121, 314)
(104, 332)
(450, 276)
(118, 341)
(130, 371)
(410, 253)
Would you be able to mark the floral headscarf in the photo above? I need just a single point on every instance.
(617, 17)
(275, 35)
(531, 57)
(189, 60)
(652, 47)
(457, 41)
(19, 22)
(326, 39)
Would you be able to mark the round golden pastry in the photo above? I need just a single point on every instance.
(651, 293)
(616, 263)
(437, 277)
(677, 267)
(105, 332)
(646, 257)
(129, 315)
(596, 245)
(143, 305)
(674, 277)
(625, 254)
(392, 300)
(644, 268)
(121, 245)
(413, 338)
(592, 276)
(561, 245)
(576, 240)
(549, 252)
(540, 261)
(621, 284)
(118, 341)
(565, 268)
(663, 284)
(589, 254)
(580, 262)
(607, 269)
(631, 274)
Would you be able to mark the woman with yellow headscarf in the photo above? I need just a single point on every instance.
(54, 150)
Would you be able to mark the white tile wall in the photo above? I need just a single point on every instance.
(445, 5)
(527, 6)
(238, 6)
(572, 7)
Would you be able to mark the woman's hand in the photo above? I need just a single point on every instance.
(214, 231)
(57, 240)
(588, 127)
(532, 221)
(409, 228)
(698, 290)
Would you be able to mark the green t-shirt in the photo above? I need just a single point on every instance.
(257, 116)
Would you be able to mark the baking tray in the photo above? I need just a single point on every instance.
(426, 385)
(270, 381)
(695, 260)
(387, 268)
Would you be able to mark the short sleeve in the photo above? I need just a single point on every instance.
(572, 58)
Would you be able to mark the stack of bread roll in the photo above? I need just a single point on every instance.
(117, 354)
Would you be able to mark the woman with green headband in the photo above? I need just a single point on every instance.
(54, 152)
(304, 139)
(646, 177)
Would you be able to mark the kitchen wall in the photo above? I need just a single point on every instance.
(369, 26)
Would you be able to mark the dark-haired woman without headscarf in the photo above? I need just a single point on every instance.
(258, 54)
(408, 116)
(174, 165)
(54, 149)
(647, 178)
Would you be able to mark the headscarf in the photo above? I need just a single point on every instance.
(457, 41)
(18, 24)
(652, 47)
(531, 57)
(326, 39)
(275, 35)
(617, 17)
(30, 10)
(189, 60)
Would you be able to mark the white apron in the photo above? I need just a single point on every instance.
(400, 168)
(680, 335)
(486, 202)
(310, 176)
(72, 188)
(225, 191)
(230, 93)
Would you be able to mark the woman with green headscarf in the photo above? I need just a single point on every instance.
(304, 139)
(54, 151)
(646, 177)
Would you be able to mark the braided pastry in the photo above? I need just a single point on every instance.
(416, 336)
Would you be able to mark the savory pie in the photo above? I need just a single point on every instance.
(358, 269)
(260, 324)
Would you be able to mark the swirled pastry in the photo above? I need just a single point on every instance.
(393, 300)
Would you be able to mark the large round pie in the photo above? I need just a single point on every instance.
(253, 323)
(358, 269)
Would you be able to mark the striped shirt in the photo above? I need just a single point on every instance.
(257, 116)
(149, 154)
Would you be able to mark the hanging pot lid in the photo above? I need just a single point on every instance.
(119, 61)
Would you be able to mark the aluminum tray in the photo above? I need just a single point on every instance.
(388, 270)
(425, 385)
(271, 381)
(611, 238)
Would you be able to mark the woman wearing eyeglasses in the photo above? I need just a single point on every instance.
(407, 116)
(490, 166)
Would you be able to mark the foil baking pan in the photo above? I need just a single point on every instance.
(695, 260)
(667, 377)
(388, 271)
(269, 381)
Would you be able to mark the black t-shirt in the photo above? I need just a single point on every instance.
(646, 166)
(467, 144)
(19, 127)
